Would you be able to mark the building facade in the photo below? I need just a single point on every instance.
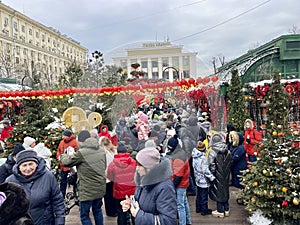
(29, 49)
(159, 60)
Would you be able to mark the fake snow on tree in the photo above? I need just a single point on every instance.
(258, 218)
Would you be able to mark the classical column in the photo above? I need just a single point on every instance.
(149, 68)
(160, 67)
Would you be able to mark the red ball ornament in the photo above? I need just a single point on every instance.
(285, 203)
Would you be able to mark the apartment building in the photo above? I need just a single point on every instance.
(159, 60)
(28, 49)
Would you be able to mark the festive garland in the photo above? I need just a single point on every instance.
(129, 89)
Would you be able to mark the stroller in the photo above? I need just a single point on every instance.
(71, 196)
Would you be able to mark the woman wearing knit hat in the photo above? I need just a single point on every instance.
(46, 201)
(155, 197)
(29, 142)
(203, 177)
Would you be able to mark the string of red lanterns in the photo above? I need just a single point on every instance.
(129, 89)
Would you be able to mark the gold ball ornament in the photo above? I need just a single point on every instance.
(22, 123)
(279, 126)
(265, 192)
(288, 170)
(255, 183)
(278, 206)
(255, 153)
(265, 171)
(253, 200)
(271, 174)
(286, 150)
(296, 201)
(274, 133)
(271, 194)
(284, 189)
(24, 132)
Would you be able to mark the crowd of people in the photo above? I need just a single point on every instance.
(143, 173)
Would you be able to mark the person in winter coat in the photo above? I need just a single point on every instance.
(68, 141)
(121, 171)
(109, 200)
(29, 143)
(46, 201)
(104, 132)
(90, 161)
(6, 130)
(203, 178)
(220, 161)
(251, 138)
(180, 175)
(44, 152)
(6, 168)
(238, 153)
(14, 208)
(155, 195)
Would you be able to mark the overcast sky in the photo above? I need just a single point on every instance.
(209, 27)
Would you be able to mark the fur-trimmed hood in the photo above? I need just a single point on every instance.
(15, 206)
(252, 124)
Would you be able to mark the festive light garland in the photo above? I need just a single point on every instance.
(129, 89)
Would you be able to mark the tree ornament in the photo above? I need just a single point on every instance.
(265, 171)
(288, 170)
(296, 201)
(285, 203)
(274, 133)
(284, 189)
(255, 183)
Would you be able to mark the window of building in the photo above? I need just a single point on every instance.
(18, 50)
(37, 34)
(175, 62)
(165, 75)
(155, 75)
(154, 64)
(16, 26)
(30, 31)
(43, 37)
(17, 60)
(165, 62)
(186, 74)
(15, 36)
(49, 40)
(24, 51)
(32, 53)
(144, 64)
(23, 28)
(186, 61)
(5, 21)
(124, 65)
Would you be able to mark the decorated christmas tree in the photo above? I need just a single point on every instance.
(236, 102)
(34, 122)
(278, 102)
(272, 185)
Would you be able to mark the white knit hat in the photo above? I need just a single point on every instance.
(28, 141)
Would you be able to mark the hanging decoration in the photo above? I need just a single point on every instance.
(147, 88)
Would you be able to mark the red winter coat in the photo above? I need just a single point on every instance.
(255, 137)
(6, 132)
(121, 171)
(104, 133)
(63, 145)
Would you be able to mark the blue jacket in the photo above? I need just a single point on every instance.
(238, 152)
(46, 201)
(156, 196)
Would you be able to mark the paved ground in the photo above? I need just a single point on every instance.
(238, 216)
